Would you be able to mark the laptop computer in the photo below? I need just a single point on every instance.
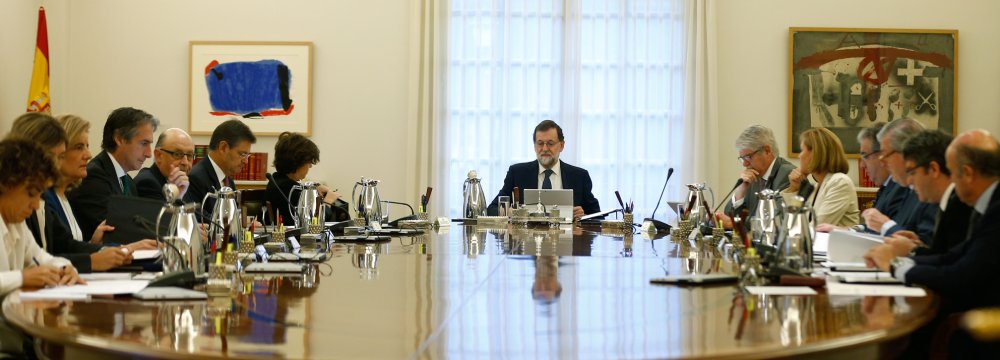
(549, 197)
(122, 213)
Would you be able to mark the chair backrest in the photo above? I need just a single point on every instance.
(252, 203)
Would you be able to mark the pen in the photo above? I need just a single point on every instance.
(620, 202)
(36, 261)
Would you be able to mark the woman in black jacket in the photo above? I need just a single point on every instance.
(294, 155)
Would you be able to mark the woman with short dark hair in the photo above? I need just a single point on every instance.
(25, 172)
(294, 155)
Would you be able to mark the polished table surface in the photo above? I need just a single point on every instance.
(467, 292)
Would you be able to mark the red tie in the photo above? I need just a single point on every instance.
(225, 181)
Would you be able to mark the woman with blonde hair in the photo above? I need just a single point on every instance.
(824, 164)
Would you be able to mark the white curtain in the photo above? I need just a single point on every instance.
(428, 100)
(620, 77)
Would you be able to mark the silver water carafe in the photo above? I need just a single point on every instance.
(796, 233)
(474, 201)
(181, 245)
(698, 209)
(368, 205)
(225, 224)
(308, 205)
(763, 224)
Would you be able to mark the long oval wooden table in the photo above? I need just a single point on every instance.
(467, 292)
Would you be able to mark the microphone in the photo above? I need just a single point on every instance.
(728, 196)
(659, 225)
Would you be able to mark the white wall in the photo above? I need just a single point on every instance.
(112, 53)
(753, 49)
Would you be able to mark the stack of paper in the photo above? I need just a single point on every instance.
(834, 289)
(97, 287)
(850, 246)
(145, 254)
(820, 244)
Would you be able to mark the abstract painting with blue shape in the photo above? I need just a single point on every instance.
(249, 88)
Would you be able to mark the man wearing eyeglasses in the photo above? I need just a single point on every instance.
(126, 143)
(549, 172)
(890, 195)
(173, 156)
(912, 214)
(757, 152)
(930, 179)
(228, 152)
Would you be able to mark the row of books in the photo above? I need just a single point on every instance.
(255, 169)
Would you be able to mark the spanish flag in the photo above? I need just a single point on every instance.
(38, 94)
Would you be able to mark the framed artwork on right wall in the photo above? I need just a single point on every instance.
(847, 79)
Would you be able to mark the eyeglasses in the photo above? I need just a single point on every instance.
(912, 170)
(244, 155)
(177, 155)
(886, 155)
(865, 156)
(550, 143)
(747, 157)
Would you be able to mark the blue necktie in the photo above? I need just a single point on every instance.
(547, 183)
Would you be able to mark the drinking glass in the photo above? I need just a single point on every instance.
(504, 206)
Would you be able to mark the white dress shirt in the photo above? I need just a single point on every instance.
(20, 251)
(119, 172)
(219, 174)
(555, 178)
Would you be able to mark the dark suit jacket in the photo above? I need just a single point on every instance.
(952, 227)
(277, 190)
(967, 273)
(52, 200)
(149, 183)
(90, 199)
(203, 181)
(59, 240)
(916, 216)
(525, 176)
(889, 198)
(778, 180)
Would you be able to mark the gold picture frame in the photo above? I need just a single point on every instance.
(845, 79)
(268, 85)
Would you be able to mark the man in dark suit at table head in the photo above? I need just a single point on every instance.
(924, 156)
(173, 156)
(228, 152)
(549, 172)
(126, 144)
(757, 152)
(912, 215)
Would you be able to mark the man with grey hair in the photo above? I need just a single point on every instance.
(912, 214)
(757, 152)
(965, 276)
(126, 144)
(173, 158)
(890, 195)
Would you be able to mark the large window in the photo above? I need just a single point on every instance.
(610, 72)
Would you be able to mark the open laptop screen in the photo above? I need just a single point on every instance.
(548, 197)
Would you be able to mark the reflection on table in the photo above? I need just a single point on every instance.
(468, 292)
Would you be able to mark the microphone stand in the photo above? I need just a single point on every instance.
(659, 225)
